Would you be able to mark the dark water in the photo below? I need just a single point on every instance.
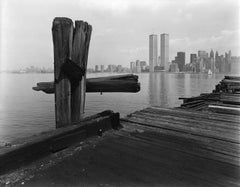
(24, 112)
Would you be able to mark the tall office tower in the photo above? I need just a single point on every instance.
(204, 56)
(110, 68)
(138, 66)
(227, 62)
(217, 61)
(230, 54)
(212, 61)
(102, 68)
(193, 58)
(180, 60)
(132, 66)
(216, 55)
(153, 49)
(165, 51)
(96, 68)
(212, 54)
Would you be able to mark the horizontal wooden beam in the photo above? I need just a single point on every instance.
(32, 148)
(119, 83)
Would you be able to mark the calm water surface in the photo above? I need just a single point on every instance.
(24, 112)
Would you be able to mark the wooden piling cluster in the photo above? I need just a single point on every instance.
(71, 44)
(229, 84)
(225, 98)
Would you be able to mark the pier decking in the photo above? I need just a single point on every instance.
(225, 98)
(156, 146)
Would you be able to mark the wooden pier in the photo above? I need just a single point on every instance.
(156, 147)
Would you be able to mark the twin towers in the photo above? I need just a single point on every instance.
(161, 62)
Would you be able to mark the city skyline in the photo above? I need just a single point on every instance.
(192, 58)
(192, 25)
(200, 62)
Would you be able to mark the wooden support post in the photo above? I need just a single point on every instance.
(62, 30)
(81, 40)
(70, 47)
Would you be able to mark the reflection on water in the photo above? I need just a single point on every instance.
(165, 88)
(24, 112)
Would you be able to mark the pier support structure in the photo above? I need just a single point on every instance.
(71, 46)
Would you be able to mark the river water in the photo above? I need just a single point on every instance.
(24, 112)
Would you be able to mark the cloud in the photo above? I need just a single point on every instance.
(122, 6)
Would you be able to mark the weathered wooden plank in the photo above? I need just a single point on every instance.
(37, 146)
(81, 40)
(131, 125)
(204, 123)
(133, 168)
(211, 143)
(189, 123)
(196, 148)
(168, 160)
(225, 109)
(181, 146)
(228, 122)
(118, 83)
(62, 30)
(201, 115)
(200, 149)
(232, 77)
(180, 128)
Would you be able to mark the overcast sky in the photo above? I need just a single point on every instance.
(121, 28)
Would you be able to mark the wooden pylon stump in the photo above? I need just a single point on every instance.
(70, 64)
(81, 41)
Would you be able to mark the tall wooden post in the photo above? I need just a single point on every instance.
(62, 30)
(81, 40)
(70, 43)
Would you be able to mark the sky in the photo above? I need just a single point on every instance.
(121, 29)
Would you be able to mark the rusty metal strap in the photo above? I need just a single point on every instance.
(72, 71)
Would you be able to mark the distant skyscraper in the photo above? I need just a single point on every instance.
(111, 68)
(153, 49)
(102, 68)
(165, 51)
(132, 66)
(212, 61)
(216, 55)
(138, 66)
(193, 58)
(217, 61)
(96, 68)
(229, 53)
(180, 60)
(211, 54)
